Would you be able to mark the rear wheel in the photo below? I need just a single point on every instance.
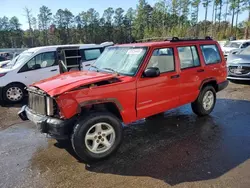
(13, 93)
(205, 103)
(97, 136)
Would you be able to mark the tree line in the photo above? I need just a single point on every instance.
(165, 18)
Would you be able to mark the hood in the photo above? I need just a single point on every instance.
(5, 70)
(70, 80)
(238, 58)
(227, 49)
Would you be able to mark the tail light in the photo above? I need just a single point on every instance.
(2, 74)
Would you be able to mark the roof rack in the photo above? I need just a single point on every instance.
(174, 39)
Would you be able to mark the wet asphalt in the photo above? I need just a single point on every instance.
(176, 149)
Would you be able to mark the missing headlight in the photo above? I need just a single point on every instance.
(50, 106)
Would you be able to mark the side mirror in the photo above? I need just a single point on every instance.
(36, 66)
(152, 72)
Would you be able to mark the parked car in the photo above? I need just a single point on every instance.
(4, 62)
(234, 45)
(222, 43)
(239, 65)
(2, 58)
(6, 55)
(126, 83)
(36, 64)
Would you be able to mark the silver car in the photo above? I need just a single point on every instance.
(238, 64)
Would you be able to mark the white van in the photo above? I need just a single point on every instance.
(36, 64)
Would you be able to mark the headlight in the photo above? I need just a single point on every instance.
(49, 106)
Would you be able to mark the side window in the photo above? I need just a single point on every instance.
(246, 44)
(211, 54)
(32, 62)
(48, 59)
(188, 56)
(42, 60)
(163, 59)
(91, 54)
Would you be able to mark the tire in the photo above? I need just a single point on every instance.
(198, 107)
(11, 93)
(91, 126)
(64, 141)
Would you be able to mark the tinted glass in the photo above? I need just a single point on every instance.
(211, 54)
(163, 59)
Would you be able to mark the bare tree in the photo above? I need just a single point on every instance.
(29, 21)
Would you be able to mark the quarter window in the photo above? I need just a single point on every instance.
(91, 54)
(211, 54)
(188, 57)
(163, 59)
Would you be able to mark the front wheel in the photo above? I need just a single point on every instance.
(205, 103)
(13, 93)
(96, 136)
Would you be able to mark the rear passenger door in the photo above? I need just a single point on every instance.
(89, 56)
(192, 73)
(158, 94)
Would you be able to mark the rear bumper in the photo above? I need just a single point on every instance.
(222, 85)
(56, 128)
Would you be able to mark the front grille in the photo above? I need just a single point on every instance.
(37, 102)
(243, 70)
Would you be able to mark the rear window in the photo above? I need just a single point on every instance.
(211, 54)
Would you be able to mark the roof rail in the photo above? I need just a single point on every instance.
(173, 39)
(151, 39)
(176, 39)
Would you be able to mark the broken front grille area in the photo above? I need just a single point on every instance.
(37, 101)
(40, 103)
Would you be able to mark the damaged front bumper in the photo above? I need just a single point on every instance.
(56, 128)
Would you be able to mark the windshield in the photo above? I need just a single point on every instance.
(246, 51)
(122, 60)
(233, 44)
(18, 60)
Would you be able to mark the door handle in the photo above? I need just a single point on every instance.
(200, 70)
(53, 70)
(175, 76)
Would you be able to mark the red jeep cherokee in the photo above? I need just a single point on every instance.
(127, 83)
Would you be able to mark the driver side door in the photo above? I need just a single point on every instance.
(161, 93)
(40, 67)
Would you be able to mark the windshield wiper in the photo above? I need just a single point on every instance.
(97, 69)
(110, 69)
